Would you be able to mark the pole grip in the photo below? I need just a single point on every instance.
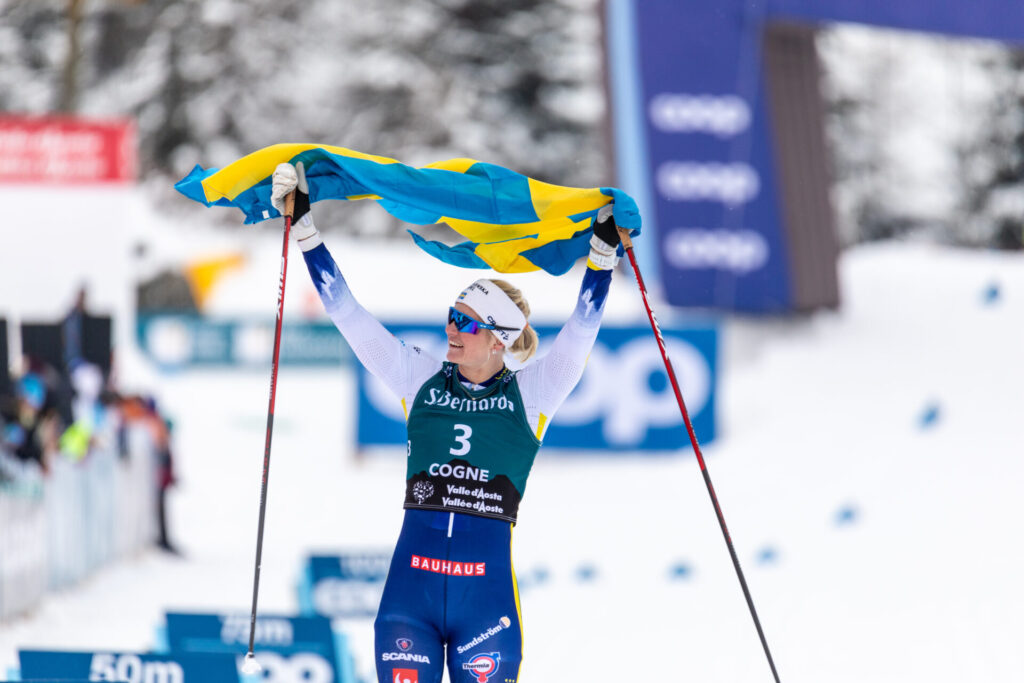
(627, 242)
(289, 204)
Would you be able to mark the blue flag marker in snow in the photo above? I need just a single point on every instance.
(929, 416)
(846, 515)
(991, 294)
(767, 555)
(680, 571)
(586, 573)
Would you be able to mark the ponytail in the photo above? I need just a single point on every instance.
(526, 345)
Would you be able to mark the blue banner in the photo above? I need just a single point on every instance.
(129, 666)
(347, 585)
(624, 401)
(288, 648)
(178, 341)
(709, 157)
(696, 148)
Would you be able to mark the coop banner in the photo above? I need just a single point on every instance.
(288, 648)
(179, 341)
(624, 401)
(709, 160)
(346, 585)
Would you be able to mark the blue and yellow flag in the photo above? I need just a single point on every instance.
(514, 224)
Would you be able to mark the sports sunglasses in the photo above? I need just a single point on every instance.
(465, 323)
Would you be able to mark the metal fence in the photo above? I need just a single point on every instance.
(57, 528)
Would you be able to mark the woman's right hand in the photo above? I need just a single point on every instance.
(288, 178)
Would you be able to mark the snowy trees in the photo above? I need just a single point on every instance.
(516, 83)
(925, 132)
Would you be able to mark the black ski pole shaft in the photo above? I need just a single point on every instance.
(627, 243)
(289, 205)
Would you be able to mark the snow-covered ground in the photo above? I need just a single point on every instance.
(878, 546)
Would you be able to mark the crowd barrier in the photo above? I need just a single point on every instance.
(58, 527)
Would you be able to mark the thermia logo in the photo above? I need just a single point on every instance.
(449, 568)
(483, 666)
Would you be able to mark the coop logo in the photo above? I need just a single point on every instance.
(690, 181)
(724, 115)
(737, 251)
(280, 668)
(405, 676)
(483, 666)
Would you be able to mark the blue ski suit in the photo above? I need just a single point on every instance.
(451, 592)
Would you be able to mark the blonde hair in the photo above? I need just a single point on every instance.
(526, 345)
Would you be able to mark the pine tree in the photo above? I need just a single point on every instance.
(516, 83)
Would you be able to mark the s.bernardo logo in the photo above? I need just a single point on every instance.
(623, 400)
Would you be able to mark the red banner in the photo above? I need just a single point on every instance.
(66, 150)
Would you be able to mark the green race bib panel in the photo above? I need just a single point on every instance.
(469, 451)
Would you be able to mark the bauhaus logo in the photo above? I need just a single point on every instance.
(448, 567)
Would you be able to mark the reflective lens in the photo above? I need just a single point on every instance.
(463, 323)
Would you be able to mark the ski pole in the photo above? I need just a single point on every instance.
(251, 666)
(627, 244)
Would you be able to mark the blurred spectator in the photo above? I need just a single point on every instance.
(143, 410)
(71, 329)
(87, 410)
(30, 423)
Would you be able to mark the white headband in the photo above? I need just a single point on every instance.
(495, 307)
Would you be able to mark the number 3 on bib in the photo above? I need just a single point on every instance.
(462, 439)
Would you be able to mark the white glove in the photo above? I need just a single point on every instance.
(604, 255)
(287, 178)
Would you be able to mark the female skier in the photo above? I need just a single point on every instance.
(474, 429)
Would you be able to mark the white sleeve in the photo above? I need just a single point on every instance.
(546, 383)
(403, 369)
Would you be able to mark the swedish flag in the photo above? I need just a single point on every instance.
(514, 224)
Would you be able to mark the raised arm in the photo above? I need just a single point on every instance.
(401, 368)
(546, 383)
